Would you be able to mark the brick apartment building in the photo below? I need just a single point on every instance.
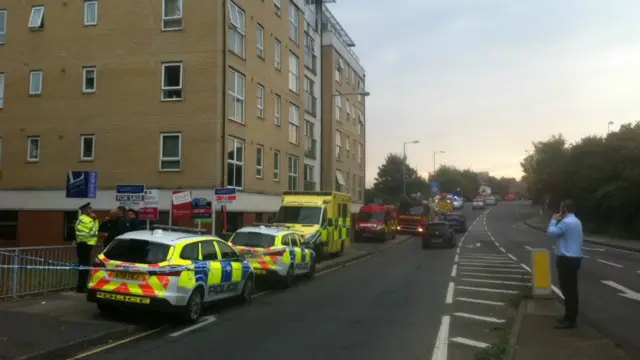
(175, 95)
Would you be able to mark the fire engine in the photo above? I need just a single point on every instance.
(414, 215)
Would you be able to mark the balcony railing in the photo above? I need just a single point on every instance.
(310, 104)
(311, 148)
(309, 185)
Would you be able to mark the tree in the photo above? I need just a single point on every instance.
(389, 181)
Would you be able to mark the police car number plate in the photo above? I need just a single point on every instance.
(436, 240)
(125, 298)
(127, 276)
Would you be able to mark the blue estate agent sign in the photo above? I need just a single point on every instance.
(130, 189)
(82, 184)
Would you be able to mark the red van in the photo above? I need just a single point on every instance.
(376, 221)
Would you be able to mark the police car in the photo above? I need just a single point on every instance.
(275, 251)
(169, 268)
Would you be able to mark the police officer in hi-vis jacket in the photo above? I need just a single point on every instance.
(86, 238)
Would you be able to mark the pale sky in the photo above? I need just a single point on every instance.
(481, 79)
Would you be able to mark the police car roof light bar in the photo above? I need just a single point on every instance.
(178, 229)
(272, 225)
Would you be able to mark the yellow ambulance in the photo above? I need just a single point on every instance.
(322, 217)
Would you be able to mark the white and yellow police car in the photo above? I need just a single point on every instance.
(275, 251)
(169, 268)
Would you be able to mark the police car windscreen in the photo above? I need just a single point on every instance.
(304, 215)
(137, 251)
(370, 216)
(253, 239)
(409, 209)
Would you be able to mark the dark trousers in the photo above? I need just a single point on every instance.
(83, 251)
(568, 277)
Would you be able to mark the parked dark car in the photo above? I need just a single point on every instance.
(457, 222)
(439, 233)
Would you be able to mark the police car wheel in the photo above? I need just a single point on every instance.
(247, 290)
(193, 310)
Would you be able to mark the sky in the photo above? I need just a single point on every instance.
(482, 79)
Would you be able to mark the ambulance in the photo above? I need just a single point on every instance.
(322, 217)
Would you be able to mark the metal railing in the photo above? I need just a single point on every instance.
(17, 281)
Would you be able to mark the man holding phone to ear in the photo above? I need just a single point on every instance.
(566, 229)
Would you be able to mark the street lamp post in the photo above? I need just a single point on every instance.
(434, 159)
(404, 165)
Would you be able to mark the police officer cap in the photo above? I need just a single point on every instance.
(85, 206)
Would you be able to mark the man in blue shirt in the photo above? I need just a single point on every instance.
(566, 229)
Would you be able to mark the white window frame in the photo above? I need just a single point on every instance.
(360, 153)
(277, 6)
(29, 140)
(86, 12)
(338, 145)
(276, 165)
(163, 158)
(260, 102)
(32, 74)
(309, 173)
(172, 88)
(277, 111)
(294, 123)
(85, 70)
(235, 162)
(294, 72)
(235, 95)
(36, 20)
(347, 146)
(93, 147)
(360, 123)
(294, 22)
(277, 58)
(295, 174)
(260, 41)
(338, 105)
(170, 23)
(236, 27)
(260, 156)
(1, 90)
(3, 27)
(348, 106)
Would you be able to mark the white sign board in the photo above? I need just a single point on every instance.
(181, 198)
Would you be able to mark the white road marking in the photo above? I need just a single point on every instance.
(442, 341)
(528, 248)
(593, 249)
(203, 321)
(465, 341)
(450, 291)
(482, 263)
(488, 256)
(493, 261)
(117, 343)
(628, 293)
(454, 270)
(486, 289)
(478, 317)
(501, 249)
(495, 275)
(557, 291)
(609, 263)
(496, 281)
(525, 267)
(463, 267)
(478, 301)
(456, 258)
(512, 257)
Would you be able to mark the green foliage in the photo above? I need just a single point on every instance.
(600, 174)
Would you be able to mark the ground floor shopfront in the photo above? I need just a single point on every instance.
(47, 218)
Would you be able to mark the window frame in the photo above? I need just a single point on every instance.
(31, 75)
(235, 161)
(166, 20)
(260, 100)
(235, 75)
(260, 41)
(237, 29)
(277, 58)
(294, 123)
(294, 22)
(277, 7)
(86, 12)
(86, 69)
(277, 111)
(2, 81)
(338, 141)
(3, 26)
(260, 160)
(338, 105)
(295, 74)
(163, 158)
(93, 147)
(29, 139)
(172, 88)
(276, 165)
(40, 20)
(294, 174)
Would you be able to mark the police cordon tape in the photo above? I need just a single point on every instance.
(13, 255)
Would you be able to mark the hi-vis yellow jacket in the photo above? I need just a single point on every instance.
(87, 230)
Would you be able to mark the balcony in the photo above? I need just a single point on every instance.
(311, 148)
(309, 185)
(311, 61)
(310, 104)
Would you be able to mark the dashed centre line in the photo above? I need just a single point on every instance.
(609, 263)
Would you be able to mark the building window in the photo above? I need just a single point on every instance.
(278, 102)
(90, 13)
(277, 51)
(236, 96)
(292, 172)
(339, 70)
(355, 146)
(360, 123)
(89, 80)
(309, 179)
(310, 141)
(236, 32)
(294, 19)
(170, 151)
(260, 89)
(293, 72)
(36, 20)
(172, 14)
(360, 153)
(87, 146)
(8, 225)
(347, 146)
(348, 106)
(338, 98)
(33, 148)
(260, 41)
(276, 5)
(276, 165)
(260, 161)
(338, 145)
(235, 162)
(310, 101)
(339, 180)
(353, 185)
(310, 57)
(3, 26)
(172, 74)
(361, 89)
(1, 90)
(294, 124)
(361, 189)
(35, 82)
